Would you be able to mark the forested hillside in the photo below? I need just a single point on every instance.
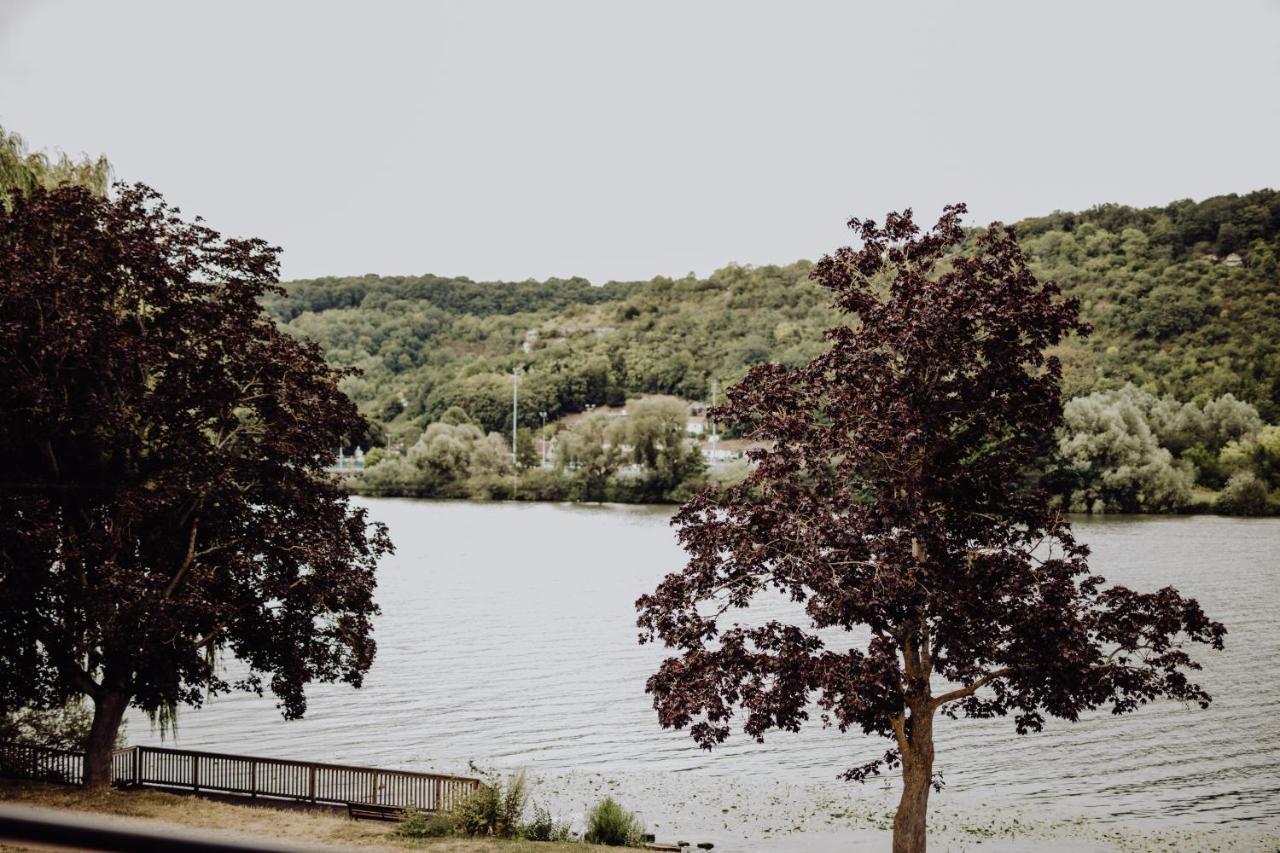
(1184, 300)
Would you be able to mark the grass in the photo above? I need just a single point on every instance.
(242, 821)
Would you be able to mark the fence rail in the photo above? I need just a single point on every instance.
(253, 776)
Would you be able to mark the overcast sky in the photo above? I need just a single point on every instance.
(610, 140)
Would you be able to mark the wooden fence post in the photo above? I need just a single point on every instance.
(195, 772)
(137, 767)
(311, 784)
(253, 779)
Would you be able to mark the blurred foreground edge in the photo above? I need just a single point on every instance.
(56, 829)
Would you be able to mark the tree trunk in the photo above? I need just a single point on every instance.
(108, 711)
(909, 822)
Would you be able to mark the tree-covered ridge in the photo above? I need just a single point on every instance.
(1220, 225)
(665, 336)
(454, 295)
(1183, 299)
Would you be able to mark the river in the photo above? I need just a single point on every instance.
(507, 639)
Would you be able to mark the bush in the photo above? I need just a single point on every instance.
(544, 828)
(611, 824)
(418, 824)
(478, 813)
(1244, 494)
(514, 797)
(495, 809)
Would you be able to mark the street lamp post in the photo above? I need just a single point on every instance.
(544, 439)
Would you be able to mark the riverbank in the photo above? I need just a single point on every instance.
(783, 821)
(1203, 501)
(740, 814)
(157, 811)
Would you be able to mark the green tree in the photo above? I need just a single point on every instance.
(1258, 452)
(1244, 494)
(485, 397)
(454, 416)
(1229, 419)
(1112, 459)
(23, 171)
(589, 453)
(526, 453)
(655, 430)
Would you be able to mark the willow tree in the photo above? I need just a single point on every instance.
(164, 499)
(24, 170)
(895, 503)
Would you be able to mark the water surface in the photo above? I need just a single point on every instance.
(507, 639)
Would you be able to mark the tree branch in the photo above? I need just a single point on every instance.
(186, 563)
(962, 692)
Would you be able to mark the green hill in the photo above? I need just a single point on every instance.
(1184, 299)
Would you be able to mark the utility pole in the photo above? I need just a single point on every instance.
(544, 439)
(715, 386)
(515, 411)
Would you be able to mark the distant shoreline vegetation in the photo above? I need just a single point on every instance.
(1122, 451)
(1182, 299)
(649, 451)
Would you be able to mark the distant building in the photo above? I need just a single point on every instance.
(1233, 260)
(719, 454)
(728, 449)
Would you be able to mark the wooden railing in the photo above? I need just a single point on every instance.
(307, 781)
(42, 763)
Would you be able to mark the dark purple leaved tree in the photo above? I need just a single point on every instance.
(163, 499)
(897, 500)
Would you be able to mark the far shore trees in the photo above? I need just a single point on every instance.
(897, 502)
(163, 499)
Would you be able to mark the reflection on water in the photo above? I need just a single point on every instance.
(507, 638)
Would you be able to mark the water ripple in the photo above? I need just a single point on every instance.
(507, 638)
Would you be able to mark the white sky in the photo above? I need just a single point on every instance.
(609, 140)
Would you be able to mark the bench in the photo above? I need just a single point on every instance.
(374, 811)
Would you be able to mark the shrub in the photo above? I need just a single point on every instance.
(514, 797)
(1244, 494)
(495, 808)
(418, 824)
(478, 813)
(611, 824)
(544, 828)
